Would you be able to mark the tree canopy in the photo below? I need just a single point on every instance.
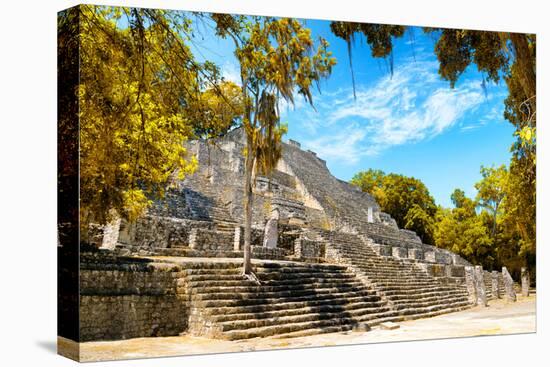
(141, 95)
(406, 199)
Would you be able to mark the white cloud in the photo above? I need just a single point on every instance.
(412, 105)
(231, 72)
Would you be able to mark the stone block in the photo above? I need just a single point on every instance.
(416, 254)
(454, 271)
(509, 292)
(111, 233)
(400, 252)
(296, 221)
(383, 250)
(423, 266)
(436, 270)
(470, 283)
(525, 282)
(429, 256)
(389, 325)
(294, 143)
(212, 240)
(307, 249)
(442, 257)
(193, 238)
(271, 233)
(370, 216)
(481, 295)
(494, 284)
(361, 327)
(237, 239)
(457, 260)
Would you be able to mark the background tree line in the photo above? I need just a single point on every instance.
(484, 230)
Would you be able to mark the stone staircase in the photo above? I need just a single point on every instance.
(293, 299)
(408, 289)
(489, 286)
(207, 205)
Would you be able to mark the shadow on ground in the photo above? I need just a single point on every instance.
(48, 345)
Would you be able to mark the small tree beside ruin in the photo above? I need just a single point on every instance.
(277, 57)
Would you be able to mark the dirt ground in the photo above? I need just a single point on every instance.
(499, 318)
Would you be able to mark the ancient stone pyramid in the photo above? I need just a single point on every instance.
(335, 262)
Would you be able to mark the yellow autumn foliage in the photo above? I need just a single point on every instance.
(140, 94)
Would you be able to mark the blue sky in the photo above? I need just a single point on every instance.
(410, 122)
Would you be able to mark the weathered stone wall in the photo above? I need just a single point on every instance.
(102, 236)
(256, 238)
(333, 255)
(174, 204)
(386, 219)
(122, 298)
(151, 232)
(435, 255)
(493, 282)
(307, 249)
(211, 240)
(470, 284)
(260, 252)
(448, 274)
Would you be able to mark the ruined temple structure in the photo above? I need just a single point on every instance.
(327, 258)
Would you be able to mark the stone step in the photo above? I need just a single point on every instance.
(315, 331)
(187, 252)
(420, 284)
(334, 325)
(424, 294)
(398, 275)
(226, 225)
(406, 283)
(410, 290)
(420, 311)
(413, 291)
(300, 278)
(292, 319)
(285, 328)
(265, 295)
(271, 271)
(224, 316)
(443, 302)
(427, 298)
(274, 287)
(286, 301)
(384, 287)
(376, 260)
(383, 267)
(405, 279)
(393, 276)
(234, 312)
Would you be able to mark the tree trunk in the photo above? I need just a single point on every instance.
(248, 201)
(526, 64)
